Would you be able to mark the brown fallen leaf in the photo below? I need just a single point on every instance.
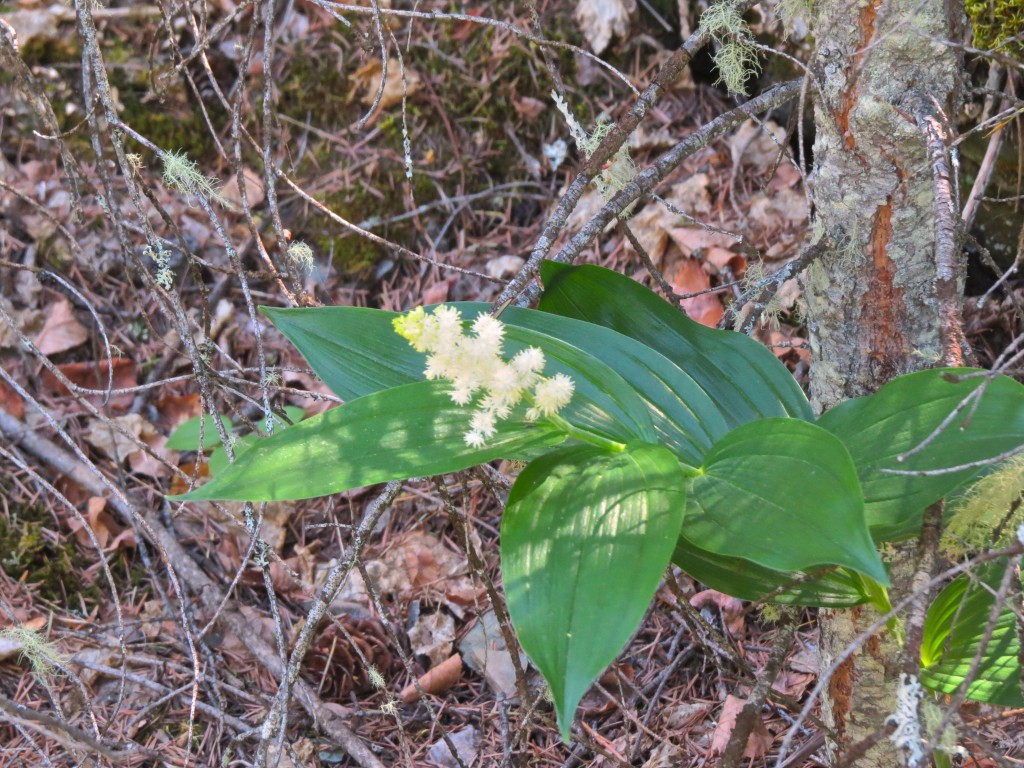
(92, 374)
(600, 20)
(759, 741)
(690, 277)
(102, 436)
(438, 680)
(432, 636)
(614, 680)
(367, 80)
(11, 402)
(109, 535)
(752, 145)
(528, 107)
(415, 563)
(62, 330)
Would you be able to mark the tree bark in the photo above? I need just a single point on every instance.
(878, 303)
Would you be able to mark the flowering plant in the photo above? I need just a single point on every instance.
(648, 440)
(473, 363)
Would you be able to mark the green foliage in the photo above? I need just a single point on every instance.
(908, 412)
(186, 436)
(738, 507)
(671, 449)
(954, 635)
(628, 508)
(997, 25)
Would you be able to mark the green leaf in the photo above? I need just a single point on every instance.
(354, 350)
(408, 431)
(219, 458)
(827, 588)
(953, 633)
(585, 540)
(684, 417)
(294, 413)
(186, 436)
(880, 427)
(329, 337)
(782, 493)
(744, 380)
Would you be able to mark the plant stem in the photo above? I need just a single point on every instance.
(586, 436)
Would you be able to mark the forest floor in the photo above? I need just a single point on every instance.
(126, 653)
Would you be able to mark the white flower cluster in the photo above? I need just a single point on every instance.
(474, 363)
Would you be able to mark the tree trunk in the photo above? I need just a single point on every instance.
(880, 303)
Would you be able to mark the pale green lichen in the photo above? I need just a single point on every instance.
(933, 715)
(617, 172)
(376, 678)
(162, 258)
(992, 505)
(790, 10)
(184, 175)
(300, 255)
(43, 657)
(736, 57)
(772, 310)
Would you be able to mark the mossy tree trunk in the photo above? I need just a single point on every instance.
(882, 302)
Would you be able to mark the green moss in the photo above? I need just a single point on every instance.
(995, 22)
(46, 562)
(171, 121)
(317, 85)
(43, 50)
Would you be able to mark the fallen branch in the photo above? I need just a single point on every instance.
(205, 588)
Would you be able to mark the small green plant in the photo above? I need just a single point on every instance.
(646, 439)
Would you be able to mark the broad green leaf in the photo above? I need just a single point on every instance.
(953, 634)
(407, 431)
(685, 418)
(219, 457)
(354, 350)
(585, 539)
(829, 588)
(744, 380)
(782, 493)
(294, 413)
(186, 436)
(901, 415)
(329, 336)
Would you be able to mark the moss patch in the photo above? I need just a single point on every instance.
(28, 553)
(995, 22)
